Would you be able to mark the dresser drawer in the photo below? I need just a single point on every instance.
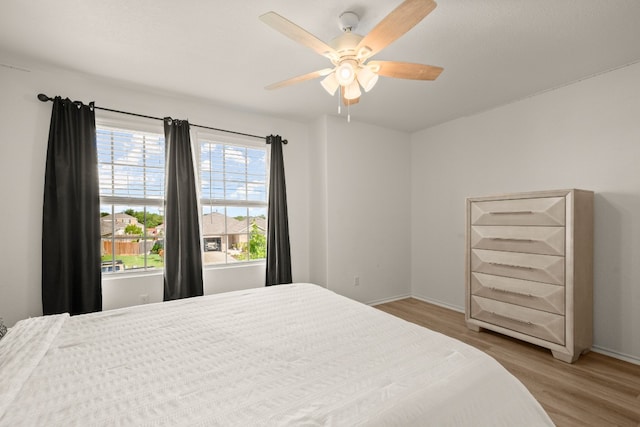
(536, 323)
(540, 296)
(534, 240)
(537, 268)
(534, 211)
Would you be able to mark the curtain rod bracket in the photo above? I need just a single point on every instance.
(268, 139)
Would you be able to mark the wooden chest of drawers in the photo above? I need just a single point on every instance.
(529, 268)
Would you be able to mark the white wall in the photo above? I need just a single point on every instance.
(586, 135)
(318, 213)
(362, 182)
(126, 290)
(24, 127)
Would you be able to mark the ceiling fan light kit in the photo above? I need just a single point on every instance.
(350, 52)
(330, 83)
(345, 72)
(367, 78)
(352, 91)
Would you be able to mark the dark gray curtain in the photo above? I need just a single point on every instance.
(71, 276)
(182, 248)
(278, 249)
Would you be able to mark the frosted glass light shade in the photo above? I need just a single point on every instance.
(352, 91)
(330, 84)
(345, 73)
(367, 78)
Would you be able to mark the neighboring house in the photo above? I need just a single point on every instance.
(259, 221)
(115, 225)
(213, 231)
(117, 222)
(159, 230)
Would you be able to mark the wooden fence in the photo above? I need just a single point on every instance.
(126, 248)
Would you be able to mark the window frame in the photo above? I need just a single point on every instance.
(210, 136)
(132, 124)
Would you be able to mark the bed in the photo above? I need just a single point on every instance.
(288, 355)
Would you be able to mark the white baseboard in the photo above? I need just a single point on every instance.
(386, 300)
(597, 349)
(616, 354)
(439, 303)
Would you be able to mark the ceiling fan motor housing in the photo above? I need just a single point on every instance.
(345, 46)
(348, 21)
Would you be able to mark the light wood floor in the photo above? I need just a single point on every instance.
(596, 390)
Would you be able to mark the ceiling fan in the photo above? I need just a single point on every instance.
(350, 52)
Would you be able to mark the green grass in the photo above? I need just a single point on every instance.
(131, 261)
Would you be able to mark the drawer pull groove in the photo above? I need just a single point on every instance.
(508, 291)
(522, 267)
(507, 239)
(512, 213)
(524, 322)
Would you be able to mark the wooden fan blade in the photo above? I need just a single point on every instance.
(299, 79)
(406, 70)
(398, 22)
(296, 33)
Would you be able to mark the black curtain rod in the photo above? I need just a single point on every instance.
(44, 98)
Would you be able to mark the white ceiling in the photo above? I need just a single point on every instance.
(493, 51)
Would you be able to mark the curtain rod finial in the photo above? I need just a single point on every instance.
(44, 98)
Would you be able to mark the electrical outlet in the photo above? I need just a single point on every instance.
(356, 281)
(144, 298)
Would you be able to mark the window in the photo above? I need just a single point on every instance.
(131, 175)
(233, 189)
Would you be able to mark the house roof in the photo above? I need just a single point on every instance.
(213, 224)
(117, 216)
(121, 222)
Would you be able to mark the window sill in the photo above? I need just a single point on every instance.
(159, 272)
(234, 265)
(131, 274)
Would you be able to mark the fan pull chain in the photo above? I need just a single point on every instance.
(340, 98)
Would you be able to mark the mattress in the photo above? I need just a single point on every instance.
(288, 355)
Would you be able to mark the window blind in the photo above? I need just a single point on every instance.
(232, 173)
(131, 166)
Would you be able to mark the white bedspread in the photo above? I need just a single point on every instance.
(289, 355)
